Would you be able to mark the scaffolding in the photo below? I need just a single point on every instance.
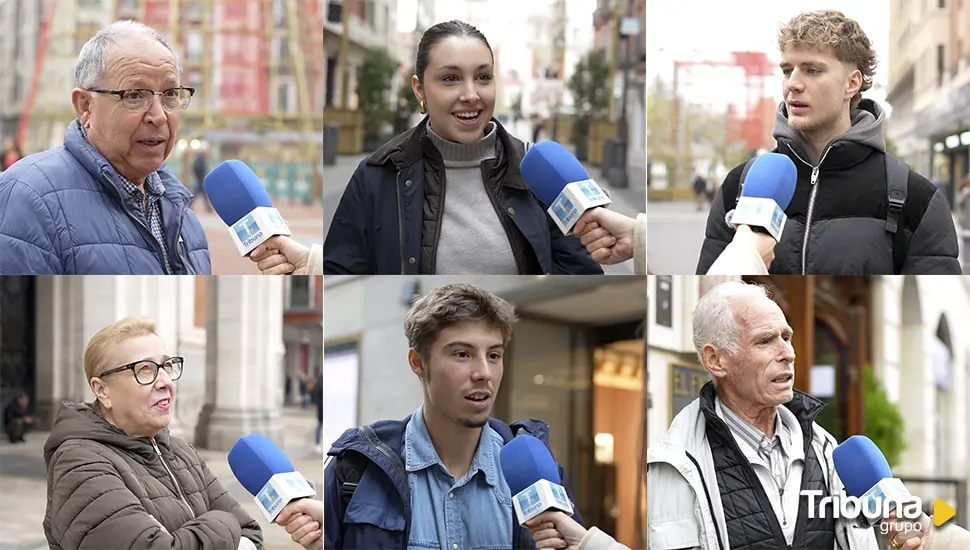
(257, 66)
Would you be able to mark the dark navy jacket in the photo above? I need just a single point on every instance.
(61, 213)
(378, 516)
(389, 217)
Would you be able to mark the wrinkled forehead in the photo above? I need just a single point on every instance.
(138, 55)
(758, 313)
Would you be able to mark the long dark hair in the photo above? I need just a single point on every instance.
(439, 32)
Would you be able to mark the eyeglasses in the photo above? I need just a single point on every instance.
(146, 371)
(139, 101)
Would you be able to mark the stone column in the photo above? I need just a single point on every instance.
(244, 349)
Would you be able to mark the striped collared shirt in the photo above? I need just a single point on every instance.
(774, 451)
(146, 208)
(777, 461)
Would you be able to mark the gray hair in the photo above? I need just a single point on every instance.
(715, 322)
(89, 69)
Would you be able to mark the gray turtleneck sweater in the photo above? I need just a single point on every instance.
(472, 239)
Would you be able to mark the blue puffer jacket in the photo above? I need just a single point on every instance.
(61, 214)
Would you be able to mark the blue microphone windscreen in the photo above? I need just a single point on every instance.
(254, 459)
(234, 190)
(547, 168)
(771, 176)
(525, 460)
(860, 465)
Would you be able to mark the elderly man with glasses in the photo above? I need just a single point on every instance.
(103, 203)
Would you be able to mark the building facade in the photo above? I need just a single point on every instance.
(372, 24)
(256, 66)
(913, 331)
(575, 360)
(241, 338)
(929, 88)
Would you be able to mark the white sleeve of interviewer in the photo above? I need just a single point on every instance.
(246, 544)
(739, 258)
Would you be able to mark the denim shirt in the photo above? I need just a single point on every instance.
(473, 513)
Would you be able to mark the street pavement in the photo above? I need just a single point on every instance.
(629, 201)
(675, 234)
(23, 485)
(306, 223)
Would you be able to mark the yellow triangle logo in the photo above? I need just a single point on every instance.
(942, 512)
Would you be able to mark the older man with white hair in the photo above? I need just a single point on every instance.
(729, 472)
(103, 203)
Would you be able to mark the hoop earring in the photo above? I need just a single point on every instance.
(421, 107)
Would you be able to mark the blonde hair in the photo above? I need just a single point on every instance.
(100, 343)
(832, 30)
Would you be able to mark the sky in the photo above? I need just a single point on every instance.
(707, 30)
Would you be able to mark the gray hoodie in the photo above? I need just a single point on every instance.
(867, 121)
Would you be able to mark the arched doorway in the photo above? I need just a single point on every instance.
(912, 375)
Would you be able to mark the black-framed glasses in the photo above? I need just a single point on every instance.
(146, 370)
(139, 101)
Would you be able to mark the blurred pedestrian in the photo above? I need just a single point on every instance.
(700, 191)
(304, 391)
(536, 128)
(16, 421)
(95, 204)
(316, 395)
(11, 153)
(856, 208)
(451, 186)
(200, 167)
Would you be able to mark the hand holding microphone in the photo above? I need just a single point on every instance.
(765, 194)
(533, 478)
(763, 243)
(302, 519)
(866, 475)
(607, 235)
(240, 199)
(561, 183)
(279, 491)
(759, 218)
(555, 530)
(281, 255)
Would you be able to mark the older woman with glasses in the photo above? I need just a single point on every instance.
(103, 203)
(116, 478)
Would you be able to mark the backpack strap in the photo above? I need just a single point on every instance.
(897, 183)
(744, 174)
(350, 466)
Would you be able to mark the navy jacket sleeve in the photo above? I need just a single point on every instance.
(346, 250)
(718, 235)
(933, 248)
(569, 256)
(332, 509)
(27, 232)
